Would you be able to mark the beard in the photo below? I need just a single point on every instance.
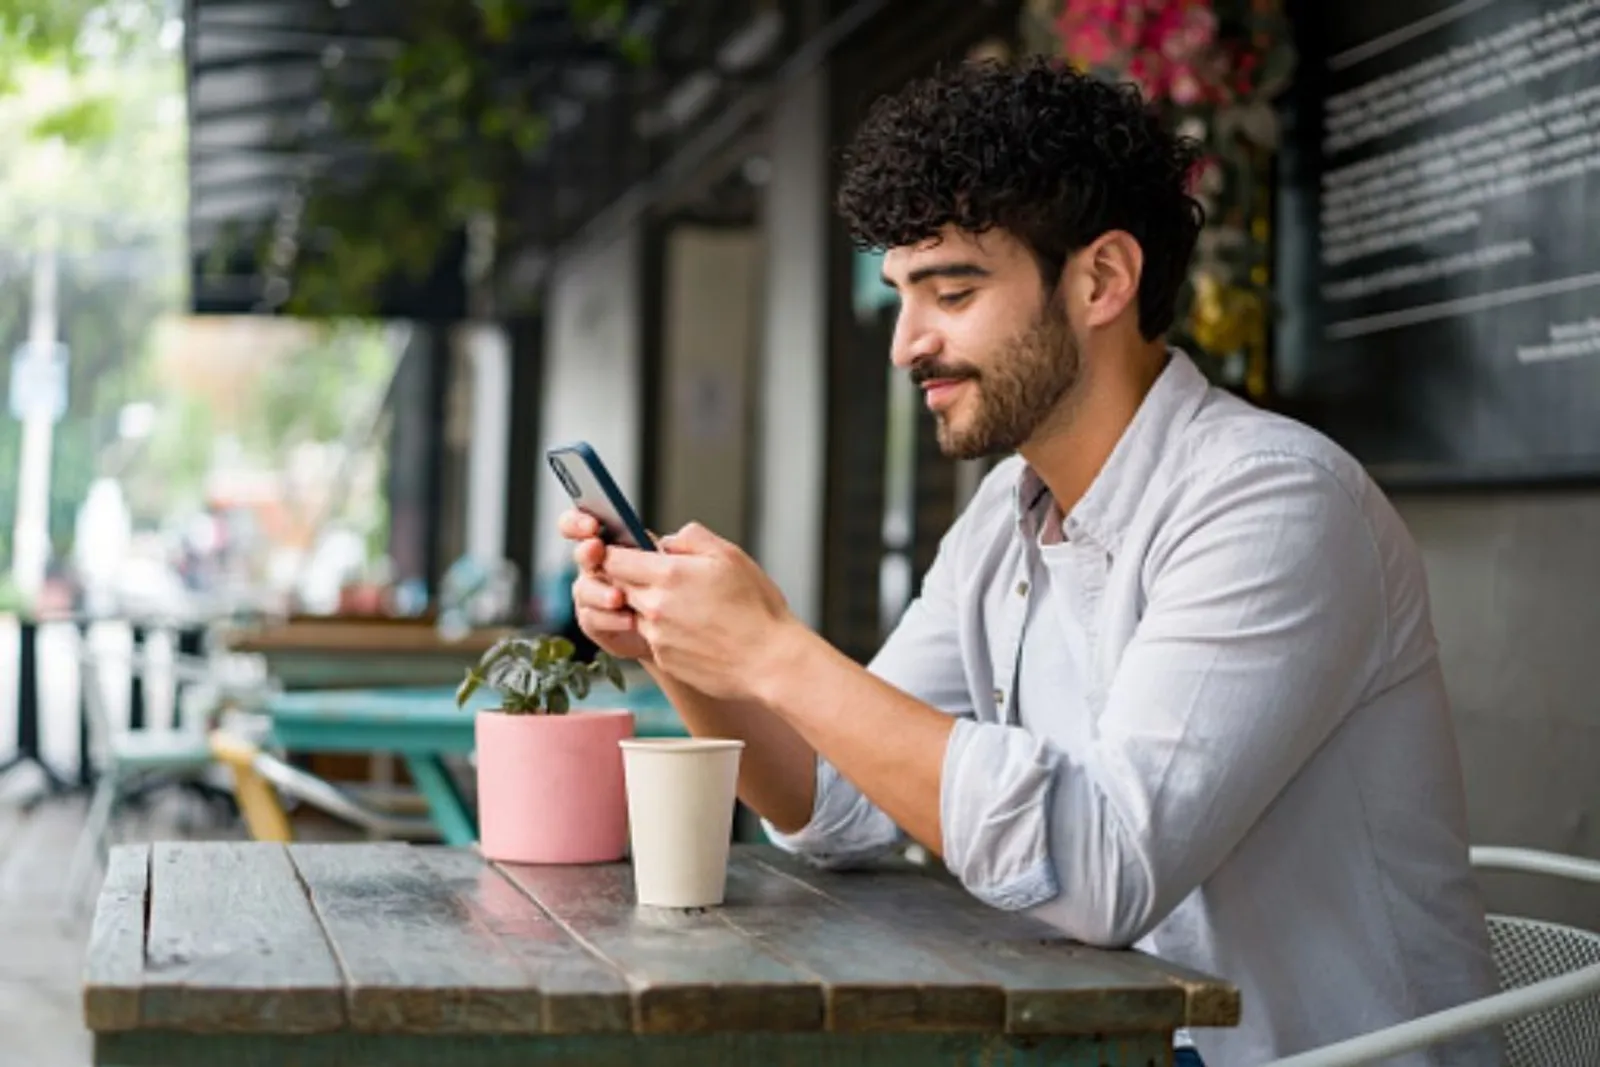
(1021, 386)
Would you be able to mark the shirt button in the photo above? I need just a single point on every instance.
(999, 697)
(1022, 588)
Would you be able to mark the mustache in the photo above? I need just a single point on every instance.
(927, 372)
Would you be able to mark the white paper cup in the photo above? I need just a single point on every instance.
(680, 817)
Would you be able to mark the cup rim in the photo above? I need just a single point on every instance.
(680, 745)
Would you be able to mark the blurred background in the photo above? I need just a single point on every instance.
(294, 294)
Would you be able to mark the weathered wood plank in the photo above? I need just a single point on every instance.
(580, 992)
(413, 958)
(114, 961)
(689, 971)
(234, 945)
(1208, 1001)
(1052, 985)
(874, 979)
(145, 1048)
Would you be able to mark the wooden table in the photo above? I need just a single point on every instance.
(388, 955)
(422, 725)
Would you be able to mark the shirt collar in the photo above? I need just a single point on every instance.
(1114, 495)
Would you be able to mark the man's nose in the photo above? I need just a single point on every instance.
(913, 343)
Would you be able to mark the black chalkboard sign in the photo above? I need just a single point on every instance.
(1439, 237)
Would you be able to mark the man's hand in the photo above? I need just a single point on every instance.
(737, 662)
(708, 612)
(602, 612)
(777, 773)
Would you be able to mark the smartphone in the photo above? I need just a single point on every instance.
(579, 470)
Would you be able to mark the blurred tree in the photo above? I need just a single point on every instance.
(317, 388)
(71, 35)
(92, 131)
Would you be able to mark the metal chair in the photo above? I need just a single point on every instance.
(127, 760)
(263, 780)
(1549, 999)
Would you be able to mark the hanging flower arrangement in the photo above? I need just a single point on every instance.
(1214, 67)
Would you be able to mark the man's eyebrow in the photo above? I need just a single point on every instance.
(941, 270)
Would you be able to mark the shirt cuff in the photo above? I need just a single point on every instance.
(994, 801)
(845, 828)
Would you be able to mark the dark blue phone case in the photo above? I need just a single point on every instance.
(606, 484)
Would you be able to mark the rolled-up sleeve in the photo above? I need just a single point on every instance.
(921, 657)
(1264, 624)
(845, 826)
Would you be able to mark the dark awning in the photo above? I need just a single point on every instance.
(259, 72)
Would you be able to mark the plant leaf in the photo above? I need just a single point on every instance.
(497, 652)
(556, 702)
(543, 653)
(468, 686)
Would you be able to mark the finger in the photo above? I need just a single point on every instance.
(691, 540)
(633, 567)
(645, 602)
(597, 595)
(595, 623)
(589, 555)
(578, 525)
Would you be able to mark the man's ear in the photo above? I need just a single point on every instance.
(1107, 273)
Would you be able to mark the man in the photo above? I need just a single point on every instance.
(1171, 681)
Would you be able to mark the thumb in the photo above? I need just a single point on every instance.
(693, 539)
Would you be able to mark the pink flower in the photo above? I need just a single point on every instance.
(1126, 29)
(1202, 22)
(1186, 89)
(1140, 74)
(1087, 44)
(1169, 48)
(1200, 172)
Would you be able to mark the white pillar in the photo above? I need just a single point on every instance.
(31, 533)
(794, 358)
(489, 365)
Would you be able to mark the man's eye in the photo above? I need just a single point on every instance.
(955, 299)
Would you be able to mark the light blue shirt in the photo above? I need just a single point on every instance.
(1201, 714)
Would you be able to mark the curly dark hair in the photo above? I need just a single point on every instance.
(1052, 156)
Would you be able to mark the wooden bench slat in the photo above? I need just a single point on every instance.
(412, 960)
(580, 992)
(1051, 984)
(1207, 1001)
(233, 944)
(815, 1049)
(114, 962)
(689, 971)
(874, 979)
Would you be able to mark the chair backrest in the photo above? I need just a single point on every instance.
(1527, 950)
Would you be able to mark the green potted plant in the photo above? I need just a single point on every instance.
(550, 786)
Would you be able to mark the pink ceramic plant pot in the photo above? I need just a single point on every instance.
(550, 787)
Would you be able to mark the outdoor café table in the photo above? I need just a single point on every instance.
(253, 954)
(423, 725)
